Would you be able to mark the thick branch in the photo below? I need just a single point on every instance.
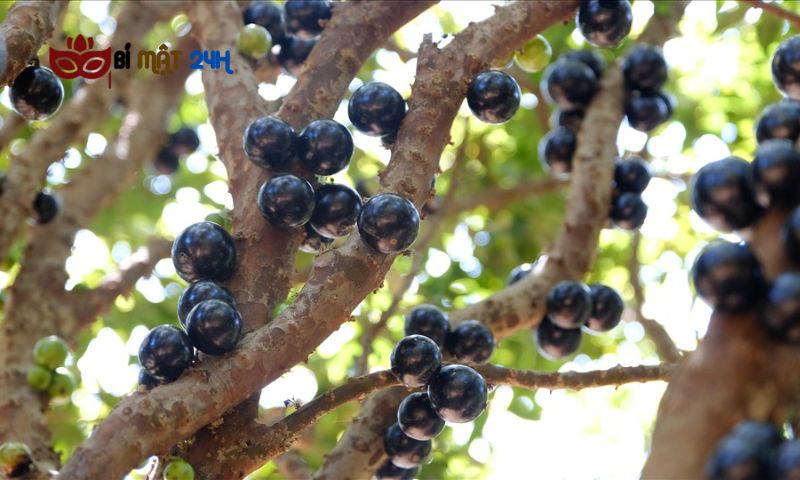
(293, 467)
(27, 27)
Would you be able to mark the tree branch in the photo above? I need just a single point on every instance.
(28, 25)
(12, 124)
(293, 467)
(498, 198)
(775, 10)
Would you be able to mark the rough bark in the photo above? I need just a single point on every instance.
(28, 25)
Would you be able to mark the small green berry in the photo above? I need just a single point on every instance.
(535, 55)
(15, 459)
(39, 377)
(253, 41)
(178, 469)
(220, 218)
(504, 62)
(50, 352)
(63, 384)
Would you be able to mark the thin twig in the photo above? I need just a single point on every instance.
(775, 9)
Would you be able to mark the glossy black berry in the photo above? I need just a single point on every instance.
(390, 471)
(417, 417)
(723, 194)
(314, 242)
(776, 171)
(646, 111)
(324, 147)
(605, 23)
(590, 58)
(184, 141)
(631, 175)
(471, 342)
(570, 84)
(376, 109)
(428, 321)
(305, 15)
(166, 161)
(493, 96)
(569, 119)
(786, 67)
(269, 142)
(46, 206)
(569, 304)
(790, 236)
(458, 393)
(336, 210)
(782, 311)
(199, 292)
(607, 307)
(761, 433)
(644, 68)
(728, 277)
(268, 15)
(214, 327)
(628, 211)
(786, 462)
(148, 381)
(779, 120)
(166, 352)
(555, 342)
(404, 451)
(738, 458)
(36, 93)
(519, 272)
(286, 201)
(556, 150)
(415, 359)
(294, 52)
(388, 223)
(204, 251)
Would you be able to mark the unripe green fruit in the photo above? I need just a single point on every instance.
(63, 384)
(253, 41)
(50, 352)
(535, 55)
(504, 62)
(15, 459)
(39, 377)
(178, 469)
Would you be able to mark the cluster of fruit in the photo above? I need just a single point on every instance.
(49, 374)
(183, 142)
(453, 393)
(756, 450)
(292, 29)
(631, 177)
(36, 93)
(204, 255)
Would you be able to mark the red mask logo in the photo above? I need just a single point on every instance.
(80, 60)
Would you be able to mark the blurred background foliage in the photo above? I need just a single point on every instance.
(720, 77)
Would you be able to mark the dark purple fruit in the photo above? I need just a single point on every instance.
(417, 417)
(305, 15)
(631, 175)
(723, 194)
(605, 23)
(590, 58)
(458, 393)
(428, 321)
(628, 211)
(294, 51)
(779, 120)
(36, 93)
(471, 342)
(644, 68)
(404, 451)
(390, 471)
(646, 111)
(761, 433)
(204, 251)
(46, 206)
(336, 210)
(388, 223)
(269, 142)
(782, 311)
(786, 463)
(324, 147)
(607, 307)
(556, 150)
(415, 359)
(376, 109)
(199, 292)
(739, 459)
(166, 352)
(519, 272)
(314, 242)
(728, 277)
(569, 304)
(268, 15)
(569, 119)
(493, 96)
(184, 141)
(555, 342)
(790, 235)
(286, 201)
(214, 327)
(148, 381)
(786, 67)
(166, 161)
(570, 84)
(776, 171)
